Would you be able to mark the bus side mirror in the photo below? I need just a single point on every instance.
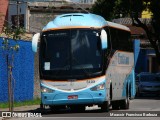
(103, 39)
(35, 39)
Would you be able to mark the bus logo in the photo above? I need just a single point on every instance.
(122, 59)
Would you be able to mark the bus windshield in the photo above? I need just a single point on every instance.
(70, 53)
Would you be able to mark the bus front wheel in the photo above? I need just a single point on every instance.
(105, 106)
(115, 105)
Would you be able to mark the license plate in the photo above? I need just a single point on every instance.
(73, 97)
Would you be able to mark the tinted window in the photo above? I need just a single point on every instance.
(70, 53)
(120, 40)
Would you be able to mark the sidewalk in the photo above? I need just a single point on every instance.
(22, 108)
(36, 108)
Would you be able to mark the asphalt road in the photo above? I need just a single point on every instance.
(144, 108)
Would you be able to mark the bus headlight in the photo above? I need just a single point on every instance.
(98, 87)
(46, 90)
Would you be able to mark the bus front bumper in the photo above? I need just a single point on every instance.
(86, 98)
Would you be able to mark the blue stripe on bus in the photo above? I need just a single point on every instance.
(130, 81)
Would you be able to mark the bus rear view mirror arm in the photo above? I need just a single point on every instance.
(35, 39)
(103, 39)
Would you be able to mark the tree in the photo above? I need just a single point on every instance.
(133, 9)
(152, 34)
(8, 51)
(104, 8)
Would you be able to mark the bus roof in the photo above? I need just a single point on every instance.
(80, 20)
(118, 26)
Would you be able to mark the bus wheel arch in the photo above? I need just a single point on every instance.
(106, 104)
(126, 102)
(114, 104)
(130, 92)
(111, 92)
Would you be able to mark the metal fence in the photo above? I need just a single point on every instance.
(23, 72)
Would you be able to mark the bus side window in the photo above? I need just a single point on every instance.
(123, 42)
(114, 38)
(124, 38)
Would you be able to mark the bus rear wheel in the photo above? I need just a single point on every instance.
(125, 103)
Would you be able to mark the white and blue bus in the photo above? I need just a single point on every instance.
(85, 60)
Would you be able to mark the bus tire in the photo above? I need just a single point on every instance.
(42, 108)
(130, 94)
(125, 103)
(54, 109)
(115, 105)
(105, 106)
